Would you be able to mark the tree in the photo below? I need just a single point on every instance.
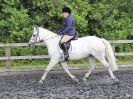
(111, 19)
(14, 21)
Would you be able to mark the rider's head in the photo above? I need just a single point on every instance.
(66, 11)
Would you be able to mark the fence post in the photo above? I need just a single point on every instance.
(8, 55)
(113, 47)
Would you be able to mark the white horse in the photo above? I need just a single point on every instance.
(90, 46)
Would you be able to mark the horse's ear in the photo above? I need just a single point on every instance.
(34, 27)
(42, 26)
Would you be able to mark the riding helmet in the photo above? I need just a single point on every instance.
(66, 9)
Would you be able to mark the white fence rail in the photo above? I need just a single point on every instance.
(8, 57)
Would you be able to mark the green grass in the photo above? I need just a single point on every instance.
(71, 64)
(44, 63)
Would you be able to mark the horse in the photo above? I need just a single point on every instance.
(89, 46)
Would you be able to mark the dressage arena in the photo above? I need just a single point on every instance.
(58, 85)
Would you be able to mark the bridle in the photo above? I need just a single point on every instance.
(35, 37)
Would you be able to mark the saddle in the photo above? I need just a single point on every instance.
(69, 42)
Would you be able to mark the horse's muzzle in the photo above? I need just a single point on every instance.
(29, 44)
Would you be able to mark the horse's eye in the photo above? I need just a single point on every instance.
(33, 34)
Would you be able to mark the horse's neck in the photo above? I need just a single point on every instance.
(50, 38)
(52, 43)
(48, 34)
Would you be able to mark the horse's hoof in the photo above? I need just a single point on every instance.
(116, 81)
(40, 82)
(84, 79)
(76, 80)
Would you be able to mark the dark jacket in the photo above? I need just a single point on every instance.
(68, 27)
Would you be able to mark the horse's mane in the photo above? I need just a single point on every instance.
(47, 31)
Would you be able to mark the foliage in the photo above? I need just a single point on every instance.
(109, 19)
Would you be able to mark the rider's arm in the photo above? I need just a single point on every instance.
(68, 27)
(60, 31)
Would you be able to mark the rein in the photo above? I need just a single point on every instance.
(51, 38)
(39, 36)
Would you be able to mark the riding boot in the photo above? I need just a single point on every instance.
(65, 50)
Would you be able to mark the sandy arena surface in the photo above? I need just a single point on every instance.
(60, 86)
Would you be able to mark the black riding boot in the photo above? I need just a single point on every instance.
(65, 50)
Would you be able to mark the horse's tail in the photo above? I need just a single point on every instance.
(110, 55)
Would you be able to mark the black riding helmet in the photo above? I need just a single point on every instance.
(66, 9)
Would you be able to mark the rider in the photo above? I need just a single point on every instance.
(68, 31)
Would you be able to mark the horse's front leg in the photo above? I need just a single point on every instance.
(52, 63)
(64, 65)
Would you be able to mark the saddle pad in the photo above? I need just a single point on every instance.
(69, 51)
(71, 48)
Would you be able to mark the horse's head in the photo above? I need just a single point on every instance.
(35, 38)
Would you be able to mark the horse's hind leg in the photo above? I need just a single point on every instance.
(106, 64)
(64, 65)
(92, 64)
